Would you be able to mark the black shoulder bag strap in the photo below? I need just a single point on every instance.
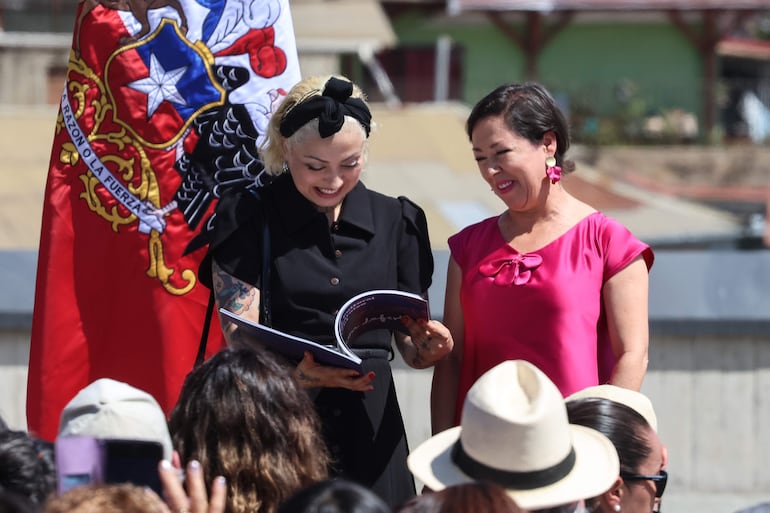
(264, 293)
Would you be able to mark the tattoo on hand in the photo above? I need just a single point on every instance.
(417, 359)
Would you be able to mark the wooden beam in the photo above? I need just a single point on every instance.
(687, 31)
(705, 42)
(503, 26)
(563, 20)
(536, 35)
(711, 37)
(534, 44)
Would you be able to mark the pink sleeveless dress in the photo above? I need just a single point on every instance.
(544, 307)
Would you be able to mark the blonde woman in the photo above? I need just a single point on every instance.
(330, 239)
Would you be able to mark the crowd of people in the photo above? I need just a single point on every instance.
(246, 439)
(545, 301)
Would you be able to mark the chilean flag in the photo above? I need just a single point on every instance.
(162, 110)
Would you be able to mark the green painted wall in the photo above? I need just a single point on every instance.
(490, 58)
(586, 65)
(592, 60)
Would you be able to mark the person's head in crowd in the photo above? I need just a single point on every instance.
(631, 398)
(26, 466)
(463, 498)
(637, 401)
(334, 496)
(106, 498)
(642, 476)
(3, 425)
(242, 415)
(107, 408)
(514, 432)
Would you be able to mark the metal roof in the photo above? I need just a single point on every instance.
(341, 26)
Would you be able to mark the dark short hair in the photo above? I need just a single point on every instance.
(26, 466)
(530, 111)
(624, 426)
(334, 496)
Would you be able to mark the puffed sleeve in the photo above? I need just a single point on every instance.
(236, 239)
(415, 259)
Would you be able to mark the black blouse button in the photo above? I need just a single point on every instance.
(336, 227)
(335, 281)
(337, 253)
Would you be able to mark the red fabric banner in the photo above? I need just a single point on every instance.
(162, 110)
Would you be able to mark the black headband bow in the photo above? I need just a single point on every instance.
(330, 108)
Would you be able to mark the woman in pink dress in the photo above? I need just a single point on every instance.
(550, 280)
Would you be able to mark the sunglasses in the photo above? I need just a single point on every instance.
(660, 480)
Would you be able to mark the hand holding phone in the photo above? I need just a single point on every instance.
(82, 460)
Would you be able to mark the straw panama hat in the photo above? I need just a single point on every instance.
(514, 432)
(631, 398)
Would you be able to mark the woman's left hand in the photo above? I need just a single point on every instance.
(311, 374)
(431, 342)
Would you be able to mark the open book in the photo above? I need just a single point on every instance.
(372, 310)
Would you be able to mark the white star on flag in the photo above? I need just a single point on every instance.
(159, 86)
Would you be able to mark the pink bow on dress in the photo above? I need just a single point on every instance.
(515, 270)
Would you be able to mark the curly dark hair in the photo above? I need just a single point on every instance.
(530, 111)
(26, 466)
(334, 496)
(242, 416)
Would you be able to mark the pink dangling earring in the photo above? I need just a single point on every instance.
(552, 170)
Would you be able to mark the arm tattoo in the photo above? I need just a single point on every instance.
(231, 293)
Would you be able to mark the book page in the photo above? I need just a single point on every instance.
(375, 310)
(291, 346)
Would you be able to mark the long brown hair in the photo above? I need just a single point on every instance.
(242, 416)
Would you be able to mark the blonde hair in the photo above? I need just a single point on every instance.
(273, 148)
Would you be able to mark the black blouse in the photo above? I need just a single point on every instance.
(378, 242)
